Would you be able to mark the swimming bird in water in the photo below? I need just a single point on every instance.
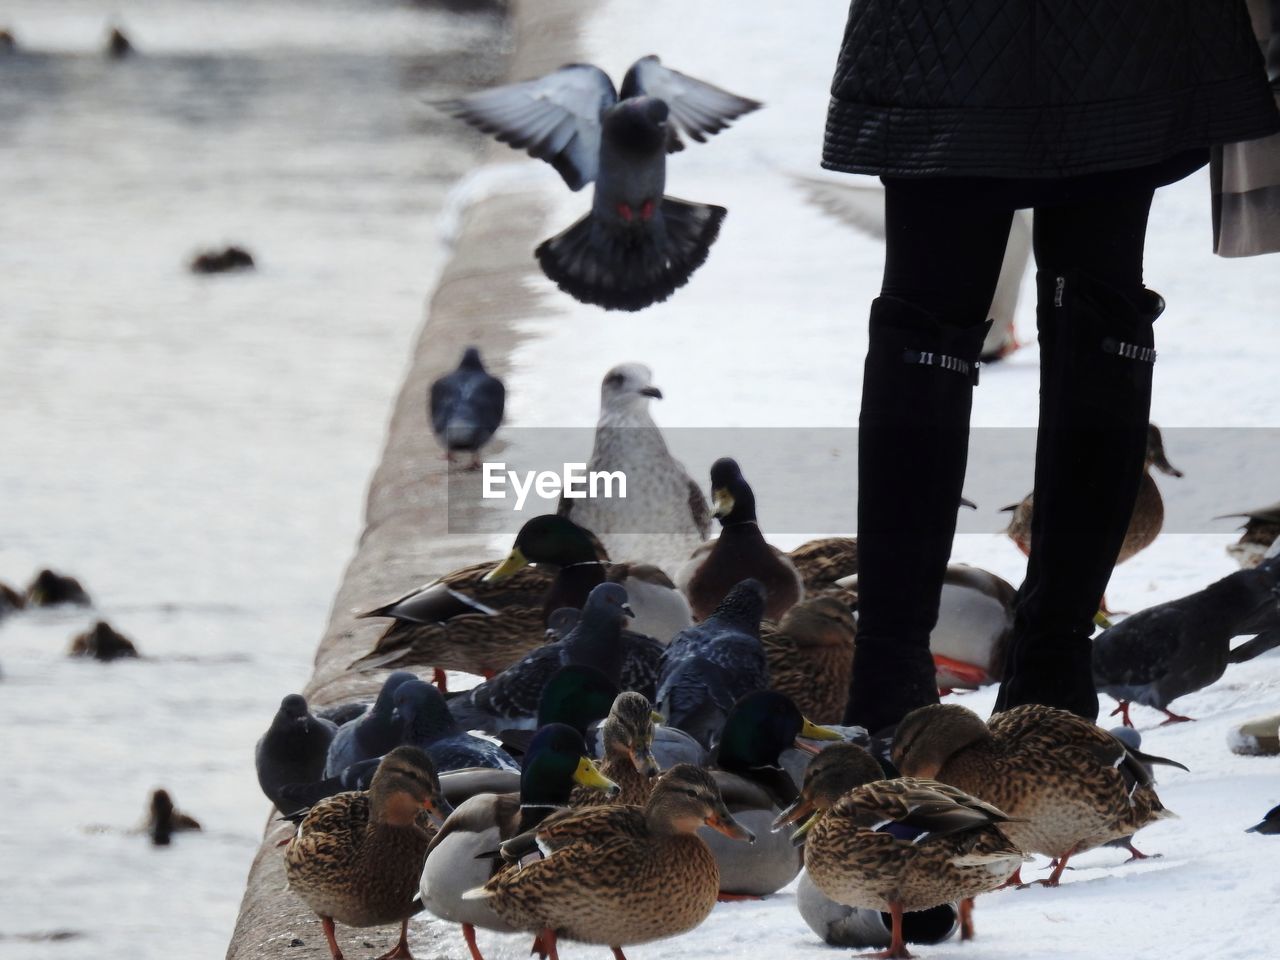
(637, 245)
(466, 407)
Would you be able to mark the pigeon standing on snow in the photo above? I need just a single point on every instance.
(466, 407)
(664, 515)
(1175, 648)
(637, 245)
(1261, 531)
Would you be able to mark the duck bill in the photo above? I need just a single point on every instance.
(516, 560)
(589, 775)
(722, 502)
(438, 808)
(798, 838)
(802, 808)
(722, 821)
(646, 763)
(811, 731)
(656, 717)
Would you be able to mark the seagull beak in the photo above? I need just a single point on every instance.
(653, 392)
(515, 560)
(722, 500)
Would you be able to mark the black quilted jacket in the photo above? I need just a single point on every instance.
(1041, 88)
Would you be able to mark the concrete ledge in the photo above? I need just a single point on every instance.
(481, 294)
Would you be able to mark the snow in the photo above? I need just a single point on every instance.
(770, 333)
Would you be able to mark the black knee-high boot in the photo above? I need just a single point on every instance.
(1097, 352)
(913, 441)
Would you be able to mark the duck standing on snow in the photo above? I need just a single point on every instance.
(617, 875)
(1068, 784)
(556, 763)
(738, 553)
(357, 857)
(1261, 530)
(1179, 647)
(636, 246)
(664, 515)
(628, 761)
(465, 407)
(1148, 509)
(897, 846)
(294, 748)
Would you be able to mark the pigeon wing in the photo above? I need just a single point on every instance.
(555, 118)
(699, 109)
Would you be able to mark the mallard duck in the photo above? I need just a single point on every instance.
(11, 600)
(897, 846)
(708, 666)
(739, 553)
(975, 624)
(556, 760)
(511, 698)
(810, 656)
(617, 875)
(1179, 647)
(1148, 509)
(483, 618)
(1260, 531)
(627, 735)
(294, 748)
(1069, 784)
(357, 857)
(50, 589)
(102, 642)
(164, 819)
(465, 407)
(824, 561)
(747, 765)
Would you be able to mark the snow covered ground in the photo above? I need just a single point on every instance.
(771, 333)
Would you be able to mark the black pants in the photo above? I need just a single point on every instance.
(945, 240)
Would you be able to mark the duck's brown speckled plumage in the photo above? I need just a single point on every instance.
(628, 755)
(469, 640)
(824, 561)
(855, 863)
(358, 856)
(810, 655)
(1069, 784)
(1148, 508)
(619, 875)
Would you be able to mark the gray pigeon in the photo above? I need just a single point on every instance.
(369, 735)
(293, 749)
(664, 515)
(710, 665)
(1268, 824)
(637, 245)
(466, 407)
(1176, 648)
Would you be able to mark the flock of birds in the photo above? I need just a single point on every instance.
(640, 739)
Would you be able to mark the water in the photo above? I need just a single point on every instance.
(193, 449)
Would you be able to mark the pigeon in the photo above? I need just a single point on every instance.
(710, 665)
(664, 515)
(636, 246)
(370, 735)
(1269, 824)
(1176, 648)
(738, 553)
(466, 407)
(510, 700)
(293, 749)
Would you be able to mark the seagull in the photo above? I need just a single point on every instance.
(637, 245)
(466, 407)
(664, 515)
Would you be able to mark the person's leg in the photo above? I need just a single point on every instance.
(943, 257)
(1094, 318)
